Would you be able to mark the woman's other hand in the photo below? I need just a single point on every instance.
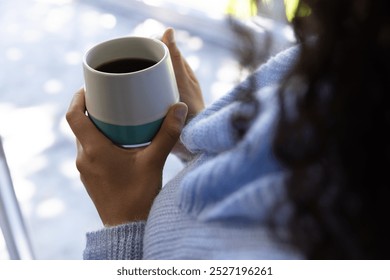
(187, 83)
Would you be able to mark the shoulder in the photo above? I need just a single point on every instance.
(276, 67)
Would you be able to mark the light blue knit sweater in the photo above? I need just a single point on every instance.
(216, 207)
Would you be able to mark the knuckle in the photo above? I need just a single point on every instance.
(85, 160)
(69, 116)
(91, 153)
(80, 165)
(73, 118)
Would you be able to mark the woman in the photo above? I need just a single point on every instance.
(290, 164)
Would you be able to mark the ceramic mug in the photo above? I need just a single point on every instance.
(129, 87)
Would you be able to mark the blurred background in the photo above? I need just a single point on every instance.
(41, 48)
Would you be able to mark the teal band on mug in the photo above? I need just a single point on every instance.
(129, 135)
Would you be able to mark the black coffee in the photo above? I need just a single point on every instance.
(125, 65)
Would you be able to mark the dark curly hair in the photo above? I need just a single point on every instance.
(336, 148)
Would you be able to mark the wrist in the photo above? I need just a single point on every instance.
(132, 205)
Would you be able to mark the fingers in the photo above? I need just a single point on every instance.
(187, 83)
(169, 133)
(179, 64)
(82, 127)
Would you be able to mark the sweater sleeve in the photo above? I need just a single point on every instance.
(122, 242)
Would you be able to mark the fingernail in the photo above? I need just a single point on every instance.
(171, 35)
(181, 112)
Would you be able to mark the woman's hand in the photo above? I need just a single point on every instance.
(187, 83)
(122, 183)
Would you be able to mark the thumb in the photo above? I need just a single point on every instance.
(169, 133)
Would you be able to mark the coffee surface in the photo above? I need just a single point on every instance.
(125, 65)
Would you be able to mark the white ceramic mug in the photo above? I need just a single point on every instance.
(129, 107)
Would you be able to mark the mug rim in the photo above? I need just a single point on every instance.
(126, 38)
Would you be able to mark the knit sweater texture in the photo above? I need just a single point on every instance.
(217, 206)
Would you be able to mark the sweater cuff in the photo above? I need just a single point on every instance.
(122, 242)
